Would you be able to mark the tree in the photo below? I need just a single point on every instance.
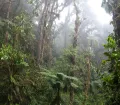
(60, 82)
(48, 14)
(12, 78)
(73, 57)
(113, 6)
(110, 80)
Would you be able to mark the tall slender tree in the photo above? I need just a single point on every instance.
(75, 37)
(50, 11)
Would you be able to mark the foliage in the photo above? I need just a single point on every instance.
(108, 5)
(63, 64)
(111, 79)
(51, 80)
(60, 83)
(19, 32)
(19, 84)
(12, 69)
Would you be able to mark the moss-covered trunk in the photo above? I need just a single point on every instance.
(116, 20)
(75, 37)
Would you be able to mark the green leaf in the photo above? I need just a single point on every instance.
(74, 85)
(25, 64)
(104, 62)
(48, 74)
(12, 79)
(5, 57)
(107, 54)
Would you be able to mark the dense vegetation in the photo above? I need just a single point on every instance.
(44, 62)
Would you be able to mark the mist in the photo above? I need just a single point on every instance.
(94, 28)
(59, 52)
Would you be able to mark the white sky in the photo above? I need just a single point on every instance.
(95, 6)
(102, 16)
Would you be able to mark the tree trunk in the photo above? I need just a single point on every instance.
(56, 101)
(8, 16)
(116, 21)
(49, 13)
(58, 96)
(71, 96)
(87, 84)
(75, 37)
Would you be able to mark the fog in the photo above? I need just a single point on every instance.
(95, 25)
(94, 22)
(52, 52)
